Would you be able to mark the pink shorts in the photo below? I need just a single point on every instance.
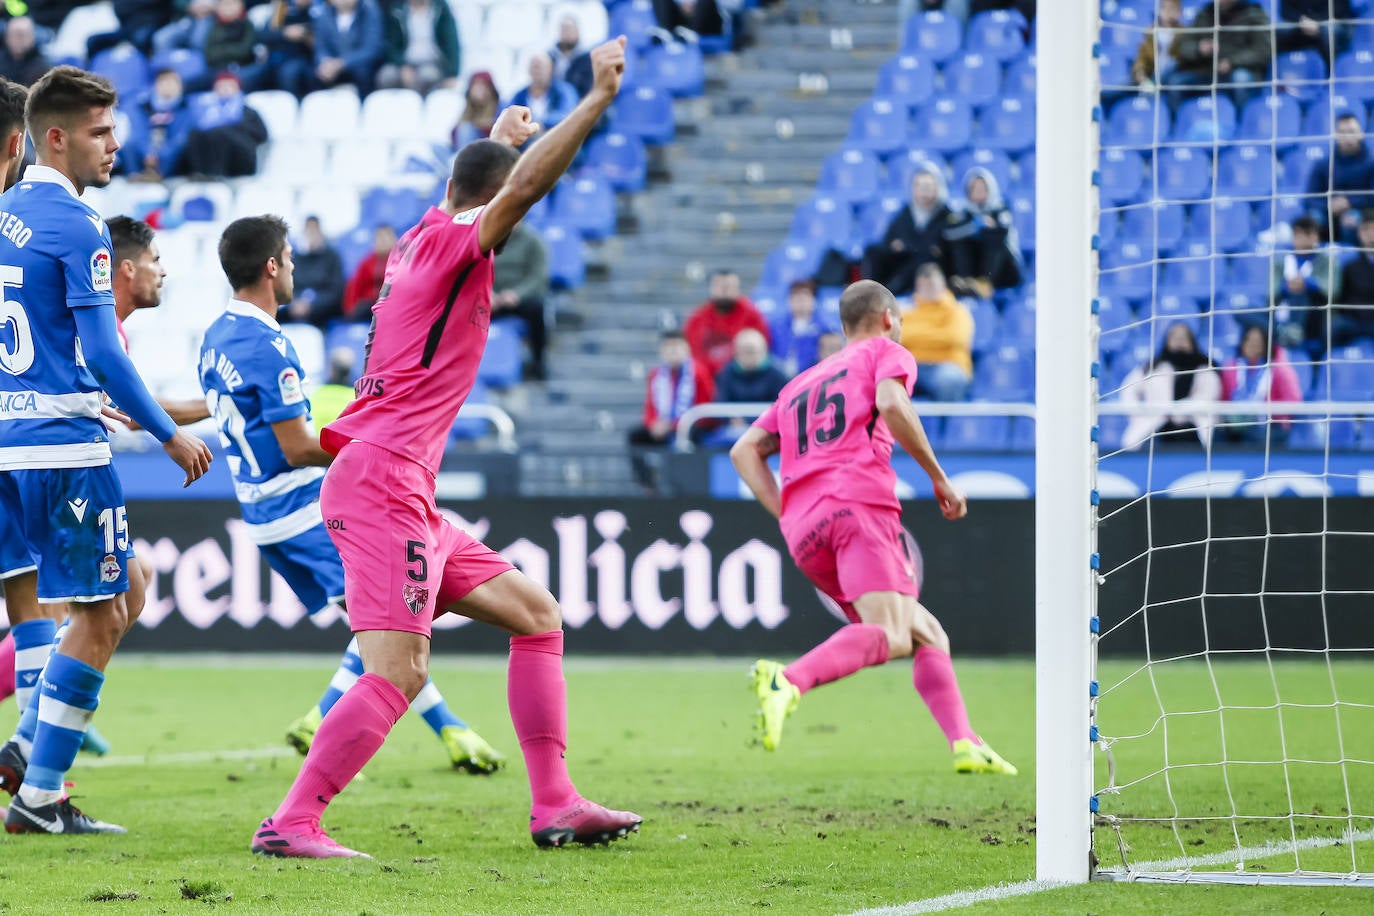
(851, 550)
(403, 561)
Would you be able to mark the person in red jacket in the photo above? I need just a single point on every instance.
(678, 382)
(711, 329)
(366, 283)
(1260, 371)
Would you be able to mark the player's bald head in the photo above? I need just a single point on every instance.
(479, 171)
(863, 303)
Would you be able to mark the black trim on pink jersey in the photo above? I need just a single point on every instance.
(436, 330)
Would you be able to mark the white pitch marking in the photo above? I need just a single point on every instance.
(125, 760)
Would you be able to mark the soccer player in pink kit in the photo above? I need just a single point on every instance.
(834, 425)
(403, 562)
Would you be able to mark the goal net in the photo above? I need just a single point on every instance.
(1232, 691)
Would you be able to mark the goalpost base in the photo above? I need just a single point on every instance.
(1300, 879)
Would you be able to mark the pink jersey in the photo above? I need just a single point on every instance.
(833, 442)
(429, 331)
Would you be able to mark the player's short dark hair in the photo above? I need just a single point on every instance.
(1306, 223)
(62, 94)
(12, 98)
(246, 246)
(861, 301)
(480, 169)
(130, 238)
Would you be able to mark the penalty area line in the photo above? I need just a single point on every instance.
(125, 760)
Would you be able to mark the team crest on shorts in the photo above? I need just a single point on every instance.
(109, 568)
(415, 597)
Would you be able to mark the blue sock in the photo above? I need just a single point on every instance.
(350, 669)
(32, 645)
(28, 719)
(70, 694)
(429, 703)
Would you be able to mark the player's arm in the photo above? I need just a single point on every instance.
(105, 357)
(750, 455)
(185, 412)
(299, 444)
(894, 406)
(539, 169)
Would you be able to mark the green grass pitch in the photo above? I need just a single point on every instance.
(859, 808)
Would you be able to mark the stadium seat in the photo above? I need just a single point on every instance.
(1154, 226)
(1319, 121)
(1354, 73)
(295, 160)
(1138, 122)
(1298, 164)
(877, 215)
(1023, 210)
(824, 222)
(353, 246)
(1183, 173)
(188, 63)
(879, 125)
(470, 429)
(587, 205)
(567, 264)
(443, 108)
(331, 114)
(676, 68)
(1271, 118)
(788, 263)
(203, 201)
(265, 196)
(515, 24)
(1319, 435)
(1302, 74)
(1205, 118)
(998, 34)
(1025, 168)
(934, 35)
(1240, 306)
(541, 213)
(127, 69)
(945, 125)
(335, 205)
(1019, 79)
(647, 113)
(391, 114)
(975, 434)
(1114, 69)
(1246, 170)
(1127, 273)
(1006, 375)
(995, 161)
(1220, 335)
(1250, 275)
(975, 78)
(358, 162)
(1108, 229)
(1134, 17)
(1113, 315)
(987, 325)
(1008, 124)
(908, 78)
(1122, 175)
(621, 158)
(501, 360)
(309, 343)
(399, 208)
(1018, 326)
(635, 20)
(278, 110)
(1351, 373)
(850, 175)
(1222, 224)
(1183, 283)
(352, 336)
(80, 24)
(1022, 434)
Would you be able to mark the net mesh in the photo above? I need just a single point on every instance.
(1233, 701)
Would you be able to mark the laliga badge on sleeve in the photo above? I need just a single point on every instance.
(102, 278)
(289, 384)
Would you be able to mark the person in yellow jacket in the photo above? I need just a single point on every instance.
(329, 400)
(938, 330)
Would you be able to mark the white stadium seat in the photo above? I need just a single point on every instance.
(471, 18)
(360, 161)
(278, 109)
(391, 114)
(329, 115)
(335, 205)
(262, 197)
(309, 343)
(592, 21)
(443, 108)
(80, 24)
(179, 250)
(295, 160)
(515, 24)
(219, 194)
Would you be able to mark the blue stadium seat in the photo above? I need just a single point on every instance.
(987, 323)
(621, 158)
(1246, 170)
(1249, 274)
(500, 365)
(976, 434)
(1351, 373)
(1319, 121)
(635, 20)
(823, 221)
(1318, 435)
(1127, 272)
(1240, 306)
(1114, 69)
(1121, 34)
(1022, 434)
(189, 64)
(1018, 326)
(1137, 122)
(647, 113)
(1019, 79)
(353, 246)
(1108, 229)
(1023, 210)
(945, 125)
(850, 174)
(1129, 12)
(1007, 375)
(1183, 283)
(352, 336)
(1220, 335)
(933, 35)
(567, 264)
(878, 214)
(1271, 119)
(1025, 166)
(975, 78)
(676, 68)
(1301, 74)
(901, 167)
(470, 429)
(1183, 173)
(1113, 314)
(1354, 72)
(399, 208)
(1155, 226)
(879, 125)
(1222, 224)
(1298, 165)
(995, 161)
(1205, 118)
(1000, 34)
(908, 78)
(1122, 175)
(127, 69)
(788, 263)
(539, 214)
(587, 205)
(1008, 124)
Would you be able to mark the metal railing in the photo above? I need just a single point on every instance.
(501, 423)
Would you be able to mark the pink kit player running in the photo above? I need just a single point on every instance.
(403, 563)
(835, 425)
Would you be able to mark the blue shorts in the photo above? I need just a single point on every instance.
(73, 524)
(14, 550)
(310, 565)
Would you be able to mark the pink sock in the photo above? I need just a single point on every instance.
(7, 668)
(933, 675)
(858, 645)
(346, 740)
(538, 698)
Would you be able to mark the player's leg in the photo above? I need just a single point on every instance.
(535, 690)
(7, 667)
(33, 629)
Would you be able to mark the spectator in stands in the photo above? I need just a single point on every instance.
(711, 329)
(796, 335)
(989, 256)
(924, 231)
(700, 16)
(231, 46)
(188, 29)
(1344, 180)
(290, 41)
(328, 400)
(1153, 62)
(519, 288)
(163, 123)
(549, 100)
(1234, 54)
(831, 342)
(1305, 282)
(938, 331)
(422, 49)
(750, 378)
(675, 384)
(1314, 25)
(47, 14)
(568, 50)
(366, 283)
(1353, 319)
(224, 142)
(1179, 373)
(20, 59)
(318, 277)
(479, 110)
(349, 44)
(1259, 371)
(138, 21)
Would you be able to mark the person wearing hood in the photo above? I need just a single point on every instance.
(1345, 180)
(1181, 373)
(224, 141)
(924, 231)
(711, 329)
(938, 332)
(987, 254)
